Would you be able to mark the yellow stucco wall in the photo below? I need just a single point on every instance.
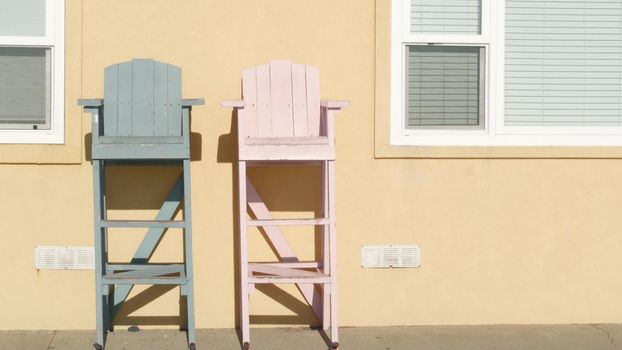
(509, 236)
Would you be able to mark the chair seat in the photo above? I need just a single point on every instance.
(126, 147)
(294, 148)
(287, 141)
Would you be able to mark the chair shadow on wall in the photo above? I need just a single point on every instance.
(139, 188)
(283, 189)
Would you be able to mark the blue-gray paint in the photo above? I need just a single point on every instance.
(141, 120)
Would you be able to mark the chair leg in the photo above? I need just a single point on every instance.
(334, 328)
(98, 189)
(325, 248)
(188, 254)
(244, 291)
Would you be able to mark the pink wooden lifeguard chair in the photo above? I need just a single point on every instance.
(282, 120)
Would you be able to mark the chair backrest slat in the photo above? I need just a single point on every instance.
(264, 122)
(281, 100)
(299, 100)
(249, 86)
(142, 98)
(313, 100)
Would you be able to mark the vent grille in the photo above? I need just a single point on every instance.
(64, 258)
(384, 256)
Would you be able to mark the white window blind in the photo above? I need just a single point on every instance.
(22, 17)
(445, 16)
(443, 86)
(563, 63)
(25, 87)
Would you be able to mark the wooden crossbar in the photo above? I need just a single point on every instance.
(150, 272)
(281, 271)
(287, 222)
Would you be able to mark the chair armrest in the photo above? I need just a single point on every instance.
(188, 102)
(90, 103)
(334, 104)
(232, 103)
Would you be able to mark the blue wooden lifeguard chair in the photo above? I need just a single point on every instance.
(142, 120)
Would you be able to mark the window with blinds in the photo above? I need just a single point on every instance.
(25, 65)
(446, 16)
(563, 63)
(443, 87)
(24, 87)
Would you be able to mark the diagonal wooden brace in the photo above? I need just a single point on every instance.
(283, 249)
(151, 240)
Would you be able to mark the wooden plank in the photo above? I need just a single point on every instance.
(187, 102)
(144, 140)
(90, 102)
(318, 140)
(142, 98)
(160, 99)
(233, 103)
(282, 271)
(143, 223)
(299, 100)
(298, 264)
(287, 222)
(264, 112)
(281, 98)
(127, 267)
(302, 283)
(313, 100)
(244, 285)
(334, 329)
(129, 282)
(111, 87)
(277, 152)
(124, 91)
(152, 271)
(335, 104)
(249, 92)
(141, 151)
(174, 100)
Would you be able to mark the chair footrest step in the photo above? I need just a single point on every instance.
(288, 222)
(144, 223)
(146, 274)
(149, 281)
(269, 274)
(283, 279)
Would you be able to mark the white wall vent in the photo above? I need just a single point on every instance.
(64, 258)
(379, 256)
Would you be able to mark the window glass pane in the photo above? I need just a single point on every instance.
(563, 63)
(22, 17)
(24, 88)
(443, 87)
(446, 16)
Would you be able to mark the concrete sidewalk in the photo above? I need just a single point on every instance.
(531, 337)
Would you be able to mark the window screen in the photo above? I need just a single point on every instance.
(563, 63)
(24, 88)
(445, 16)
(443, 86)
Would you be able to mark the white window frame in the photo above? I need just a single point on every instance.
(494, 133)
(54, 40)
